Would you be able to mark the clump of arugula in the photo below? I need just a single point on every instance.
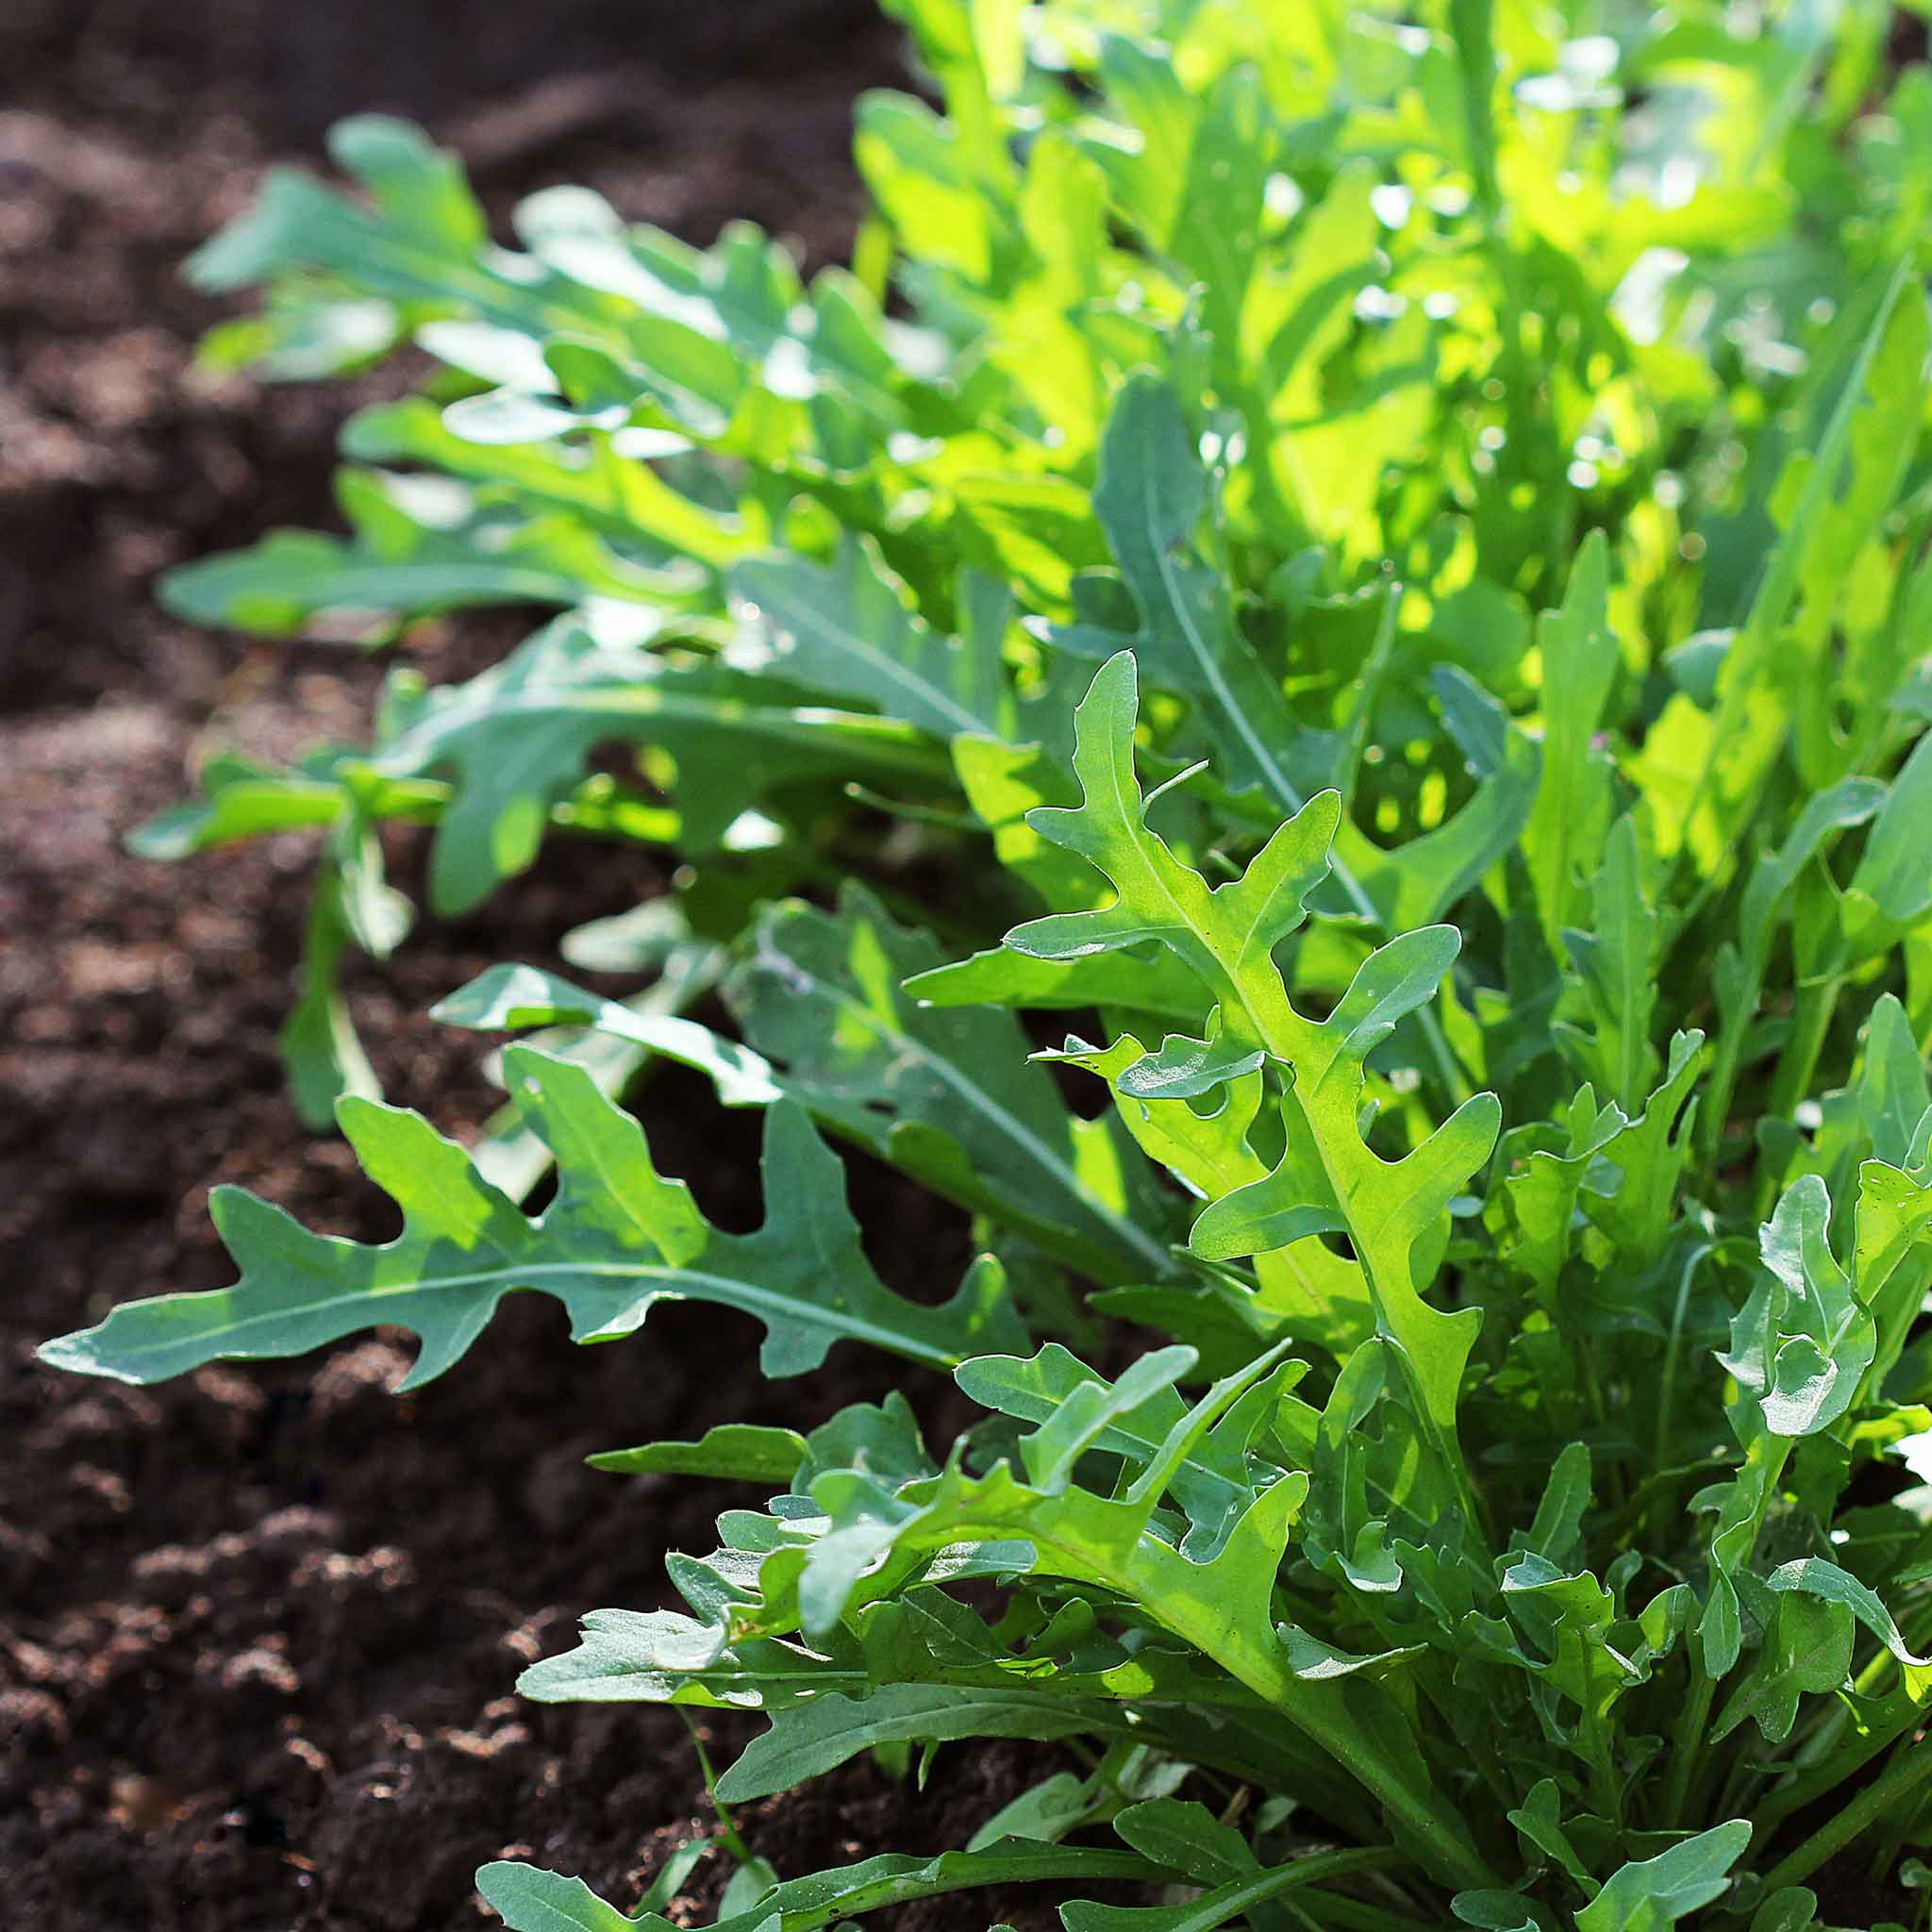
(1381, 564)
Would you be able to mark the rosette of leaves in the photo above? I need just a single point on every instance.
(1504, 1200)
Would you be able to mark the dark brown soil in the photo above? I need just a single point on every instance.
(258, 1632)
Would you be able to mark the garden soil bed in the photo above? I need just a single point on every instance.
(258, 1631)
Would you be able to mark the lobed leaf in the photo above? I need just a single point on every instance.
(617, 1239)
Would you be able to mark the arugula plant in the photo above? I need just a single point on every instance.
(1376, 568)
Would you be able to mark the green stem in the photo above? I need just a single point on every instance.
(1740, 1781)
(1714, 1110)
(1811, 1782)
(1817, 1002)
(1607, 1788)
(1449, 1069)
(1910, 1769)
(1688, 1739)
(1816, 1005)
(1667, 1388)
(728, 1835)
(1228, 1901)
(1687, 1744)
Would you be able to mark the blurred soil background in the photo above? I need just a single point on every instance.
(258, 1631)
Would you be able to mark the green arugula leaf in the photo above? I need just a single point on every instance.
(414, 553)
(1617, 965)
(607, 1257)
(516, 739)
(1650, 1892)
(829, 1728)
(845, 630)
(945, 1093)
(1152, 493)
(744, 1452)
(1807, 1653)
(521, 996)
(529, 1900)
(1394, 1213)
(1570, 816)
(1803, 1342)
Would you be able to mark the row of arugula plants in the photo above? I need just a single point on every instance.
(1369, 563)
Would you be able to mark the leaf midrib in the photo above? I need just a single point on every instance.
(891, 740)
(805, 617)
(978, 1099)
(1285, 791)
(1204, 657)
(737, 1291)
